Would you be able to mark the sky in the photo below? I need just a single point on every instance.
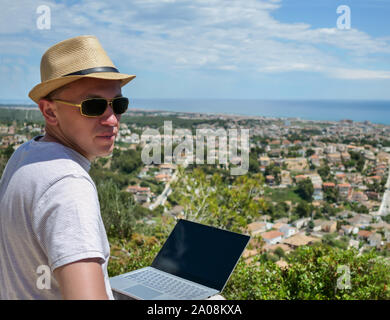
(223, 49)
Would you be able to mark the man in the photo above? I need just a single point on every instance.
(53, 242)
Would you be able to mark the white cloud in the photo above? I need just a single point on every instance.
(359, 74)
(199, 34)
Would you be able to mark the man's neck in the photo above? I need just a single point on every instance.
(50, 138)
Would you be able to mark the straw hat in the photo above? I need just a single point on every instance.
(73, 59)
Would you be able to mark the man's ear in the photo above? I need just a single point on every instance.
(49, 111)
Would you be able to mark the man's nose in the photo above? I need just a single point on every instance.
(109, 117)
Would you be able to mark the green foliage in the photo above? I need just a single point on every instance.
(255, 281)
(309, 152)
(12, 114)
(126, 161)
(357, 160)
(155, 186)
(118, 209)
(139, 250)
(124, 166)
(356, 207)
(331, 195)
(327, 209)
(324, 172)
(273, 170)
(99, 174)
(5, 154)
(305, 190)
(254, 166)
(130, 255)
(285, 194)
(386, 218)
(312, 274)
(277, 211)
(207, 199)
(279, 252)
(330, 239)
(303, 209)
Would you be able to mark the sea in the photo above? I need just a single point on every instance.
(375, 111)
(331, 110)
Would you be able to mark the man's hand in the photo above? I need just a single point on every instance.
(82, 280)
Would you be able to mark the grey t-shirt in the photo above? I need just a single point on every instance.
(49, 217)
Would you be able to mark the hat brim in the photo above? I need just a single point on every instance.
(43, 89)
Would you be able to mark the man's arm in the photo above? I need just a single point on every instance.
(82, 280)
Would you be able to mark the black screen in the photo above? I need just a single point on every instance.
(201, 253)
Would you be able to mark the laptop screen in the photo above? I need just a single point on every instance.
(201, 253)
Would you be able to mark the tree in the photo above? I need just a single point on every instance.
(118, 209)
(303, 209)
(309, 152)
(7, 152)
(212, 201)
(4, 157)
(328, 209)
(127, 161)
(279, 252)
(324, 172)
(275, 171)
(305, 190)
(359, 160)
(253, 164)
(331, 195)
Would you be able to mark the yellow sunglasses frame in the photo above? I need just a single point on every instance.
(109, 102)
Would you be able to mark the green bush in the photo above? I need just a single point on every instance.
(118, 209)
(313, 274)
(130, 255)
(255, 281)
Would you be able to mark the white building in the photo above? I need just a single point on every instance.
(288, 231)
(272, 237)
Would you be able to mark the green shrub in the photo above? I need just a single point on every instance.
(312, 274)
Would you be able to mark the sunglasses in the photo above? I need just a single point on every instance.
(95, 107)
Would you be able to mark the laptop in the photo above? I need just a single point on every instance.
(194, 263)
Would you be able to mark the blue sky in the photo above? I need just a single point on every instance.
(264, 49)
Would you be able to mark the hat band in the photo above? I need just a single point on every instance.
(92, 70)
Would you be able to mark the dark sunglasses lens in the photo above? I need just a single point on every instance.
(94, 107)
(119, 105)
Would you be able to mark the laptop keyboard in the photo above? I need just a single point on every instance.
(166, 284)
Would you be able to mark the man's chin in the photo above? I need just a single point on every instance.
(106, 152)
(103, 150)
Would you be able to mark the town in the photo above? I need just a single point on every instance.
(325, 181)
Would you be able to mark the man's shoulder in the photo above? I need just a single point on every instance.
(37, 166)
(51, 156)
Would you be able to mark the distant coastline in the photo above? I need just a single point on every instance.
(321, 110)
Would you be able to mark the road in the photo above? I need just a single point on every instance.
(164, 195)
(384, 209)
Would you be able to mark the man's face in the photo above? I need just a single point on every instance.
(92, 137)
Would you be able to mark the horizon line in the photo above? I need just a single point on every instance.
(18, 101)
